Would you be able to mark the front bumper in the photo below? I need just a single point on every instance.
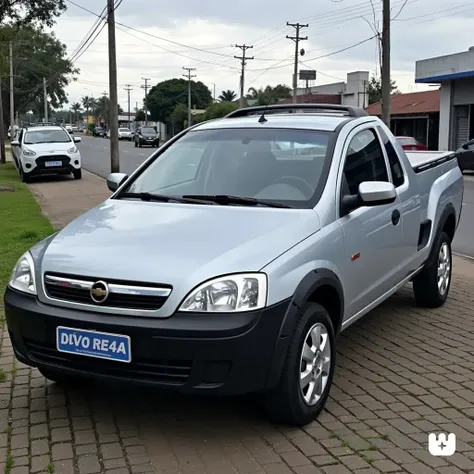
(149, 141)
(225, 354)
(69, 163)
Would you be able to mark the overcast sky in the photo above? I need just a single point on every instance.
(424, 28)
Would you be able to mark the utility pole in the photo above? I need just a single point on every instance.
(296, 39)
(189, 76)
(386, 84)
(128, 88)
(243, 63)
(45, 94)
(113, 92)
(12, 104)
(3, 158)
(146, 87)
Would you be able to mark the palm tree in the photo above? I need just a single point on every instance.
(227, 96)
(88, 104)
(76, 108)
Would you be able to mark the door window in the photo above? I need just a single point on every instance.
(395, 165)
(364, 162)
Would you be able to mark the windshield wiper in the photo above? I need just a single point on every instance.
(163, 198)
(227, 199)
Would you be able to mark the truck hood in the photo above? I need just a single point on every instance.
(177, 244)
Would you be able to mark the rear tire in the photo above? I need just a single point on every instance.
(431, 286)
(77, 174)
(312, 351)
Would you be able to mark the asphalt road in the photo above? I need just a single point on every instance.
(95, 154)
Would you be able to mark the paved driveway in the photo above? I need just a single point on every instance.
(402, 372)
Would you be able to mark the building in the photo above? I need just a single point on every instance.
(414, 115)
(354, 91)
(455, 74)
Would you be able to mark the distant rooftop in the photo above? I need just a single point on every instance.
(411, 103)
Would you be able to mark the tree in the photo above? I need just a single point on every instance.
(269, 94)
(220, 109)
(374, 89)
(101, 109)
(76, 108)
(47, 59)
(140, 117)
(27, 12)
(88, 104)
(164, 96)
(178, 118)
(227, 96)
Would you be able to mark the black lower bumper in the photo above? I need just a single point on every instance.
(40, 171)
(226, 354)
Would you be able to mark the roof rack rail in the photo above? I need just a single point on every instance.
(296, 108)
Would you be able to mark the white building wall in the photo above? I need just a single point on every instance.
(445, 111)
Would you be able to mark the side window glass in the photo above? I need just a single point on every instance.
(364, 162)
(395, 165)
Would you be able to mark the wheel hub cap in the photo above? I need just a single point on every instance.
(315, 364)
(444, 269)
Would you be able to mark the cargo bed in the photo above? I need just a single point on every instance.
(423, 160)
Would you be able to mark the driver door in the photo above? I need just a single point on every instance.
(373, 236)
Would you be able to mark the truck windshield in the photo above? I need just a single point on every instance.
(279, 165)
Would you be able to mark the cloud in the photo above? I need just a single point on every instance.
(423, 29)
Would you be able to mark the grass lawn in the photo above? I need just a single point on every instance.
(22, 224)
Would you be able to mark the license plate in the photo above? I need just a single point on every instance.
(53, 163)
(101, 345)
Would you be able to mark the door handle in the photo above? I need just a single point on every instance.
(395, 217)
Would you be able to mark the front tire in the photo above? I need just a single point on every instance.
(431, 286)
(77, 174)
(308, 371)
(23, 176)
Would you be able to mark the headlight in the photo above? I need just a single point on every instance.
(72, 150)
(23, 275)
(28, 152)
(231, 293)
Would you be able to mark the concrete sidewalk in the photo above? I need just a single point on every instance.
(402, 372)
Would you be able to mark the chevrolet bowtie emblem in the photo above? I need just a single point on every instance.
(99, 291)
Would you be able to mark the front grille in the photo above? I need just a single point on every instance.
(41, 162)
(171, 372)
(126, 295)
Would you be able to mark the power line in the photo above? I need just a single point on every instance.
(243, 62)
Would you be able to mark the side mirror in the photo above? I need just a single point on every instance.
(77, 139)
(465, 146)
(377, 193)
(114, 180)
(371, 193)
(15, 143)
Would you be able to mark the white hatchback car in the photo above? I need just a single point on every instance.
(46, 150)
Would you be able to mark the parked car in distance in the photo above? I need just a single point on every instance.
(235, 255)
(410, 143)
(146, 136)
(465, 156)
(99, 132)
(46, 150)
(123, 134)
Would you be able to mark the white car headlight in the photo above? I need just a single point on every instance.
(28, 152)
(231, 293)
(72, 150)
(23, 275)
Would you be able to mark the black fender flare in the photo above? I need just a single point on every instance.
(308, 285)
(448, 211)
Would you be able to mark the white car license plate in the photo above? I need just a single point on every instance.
(97, 344)
(50, 164)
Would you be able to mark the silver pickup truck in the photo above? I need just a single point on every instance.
(229, 262)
